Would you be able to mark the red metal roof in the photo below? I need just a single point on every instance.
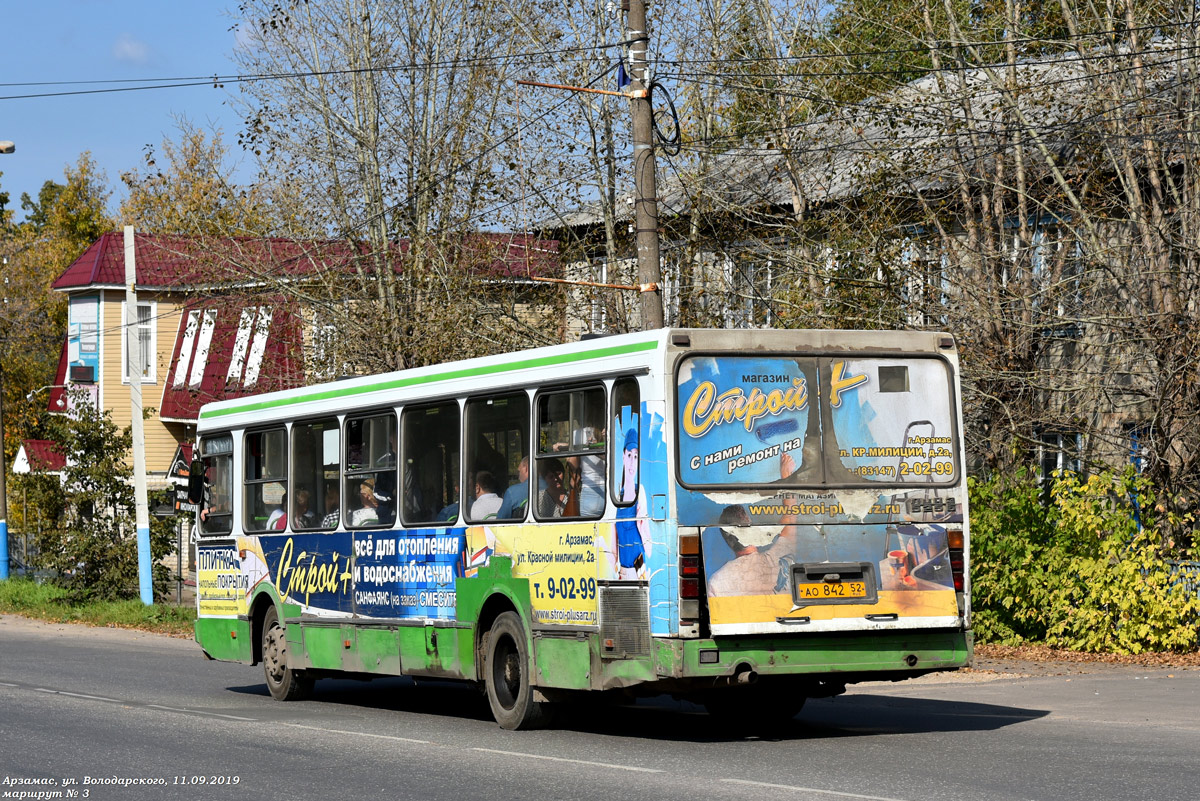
(181, 262)
(230, 348)
(44, 455)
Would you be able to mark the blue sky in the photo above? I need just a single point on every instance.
(90, 40)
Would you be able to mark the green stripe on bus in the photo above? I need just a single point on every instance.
(398, 383)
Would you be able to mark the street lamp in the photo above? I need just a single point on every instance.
(61, 402)
(5, 147)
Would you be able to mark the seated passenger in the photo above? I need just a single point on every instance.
(552, 497)
(278, 519)
(487, 502)
(302, 515)
(367, 514)
(516, 497)
(333, 512)
(449, 512)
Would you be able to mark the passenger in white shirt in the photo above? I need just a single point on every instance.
(487, 499)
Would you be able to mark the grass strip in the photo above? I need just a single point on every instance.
(57, 604)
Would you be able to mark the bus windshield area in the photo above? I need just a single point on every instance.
(815, 421)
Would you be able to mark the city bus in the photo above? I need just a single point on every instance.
(743, 519)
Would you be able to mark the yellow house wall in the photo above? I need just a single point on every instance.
(162, 439)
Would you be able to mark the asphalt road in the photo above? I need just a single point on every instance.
(79, 703)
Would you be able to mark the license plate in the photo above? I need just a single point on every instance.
(827, 590)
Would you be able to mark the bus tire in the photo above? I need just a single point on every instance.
(506, 677)
(284, 682)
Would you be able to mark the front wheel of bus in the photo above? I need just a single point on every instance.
(506, 676)
(285, 683)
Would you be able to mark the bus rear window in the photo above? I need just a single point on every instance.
(815, 421)
(897, 426)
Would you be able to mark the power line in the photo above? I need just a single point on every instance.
(218, 81)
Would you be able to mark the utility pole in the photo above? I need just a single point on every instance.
(645, 205)
(5, 147)
(3, 497)
(134, 358)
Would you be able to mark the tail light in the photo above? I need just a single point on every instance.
(691, 579)
(954, 540)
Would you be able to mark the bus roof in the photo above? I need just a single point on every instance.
(601, 355)
(517, 369)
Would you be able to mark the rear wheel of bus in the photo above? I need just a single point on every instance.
(506, 676)
(284, 682)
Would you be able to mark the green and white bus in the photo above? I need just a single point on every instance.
(746, 519)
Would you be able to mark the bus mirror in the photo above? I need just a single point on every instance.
(196, 482)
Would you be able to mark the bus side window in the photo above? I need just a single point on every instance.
(572, 433)
(216, 511)
(316, 475)
(369, 489)
(430, 460)
(625, 439)
(265, 496)
(497, 440)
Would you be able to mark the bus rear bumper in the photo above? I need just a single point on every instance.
(847, 658)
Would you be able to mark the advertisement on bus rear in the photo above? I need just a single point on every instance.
(825, 489)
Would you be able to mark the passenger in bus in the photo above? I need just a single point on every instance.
(215, 516)
(302, 514)
(333, 502)
(590, 470)
(490, 460)
(385, 483)
(367, 514)
(516, 497)
(278, 519)
(552, 496)
(449, 512)
(487, 501)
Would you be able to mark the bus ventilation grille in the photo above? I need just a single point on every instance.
(625, 622)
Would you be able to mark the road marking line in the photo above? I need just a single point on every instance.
(6, 684)
(573, 761)
(199, 712)
(357, 733)
(811, 790)
(79, 695)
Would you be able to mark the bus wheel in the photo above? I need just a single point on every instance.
(284, 683)
(506, 676)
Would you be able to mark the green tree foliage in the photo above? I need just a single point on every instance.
(1096, 570)
(37, 212)
(33, 317)
(91, 538)
(188, 189)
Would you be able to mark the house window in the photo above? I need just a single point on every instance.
(142, 365)
(249, 346)
(1057, 451)
(1141, 443)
